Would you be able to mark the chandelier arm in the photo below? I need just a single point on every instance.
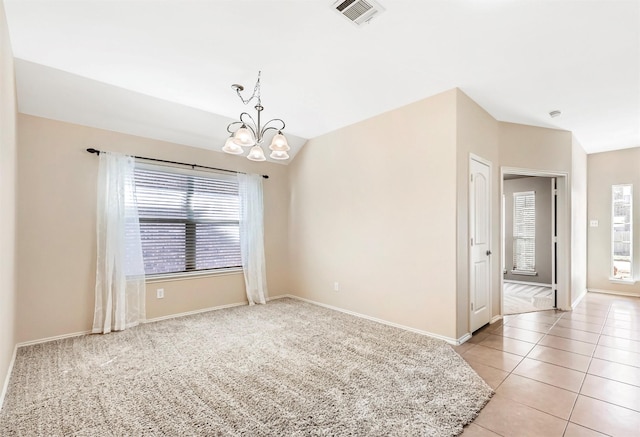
(249, 124)
(266, 127)
(251, 121)
(232, 124)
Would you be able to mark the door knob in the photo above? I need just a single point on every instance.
(488, 252)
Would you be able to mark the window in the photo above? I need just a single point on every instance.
(188, 222)
(621, 232)
(524, 232)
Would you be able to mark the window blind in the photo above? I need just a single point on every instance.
(524, 231)
(188, 222)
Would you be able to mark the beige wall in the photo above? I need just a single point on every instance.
(344, 202)
(543, 261)
(56, 227)
(579, 202)
(604, 170)
(535, 148)
(8, 113)
(373, 207)
(477, 133)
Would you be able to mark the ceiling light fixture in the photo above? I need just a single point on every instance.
(554, 114)
(248, 133)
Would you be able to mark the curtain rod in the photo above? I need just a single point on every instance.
(97, 152)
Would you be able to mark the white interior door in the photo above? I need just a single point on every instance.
(480, 243)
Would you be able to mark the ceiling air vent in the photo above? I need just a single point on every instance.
(358, 11)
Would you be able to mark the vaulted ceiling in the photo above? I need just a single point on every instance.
(163, 68)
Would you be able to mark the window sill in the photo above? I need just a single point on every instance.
(622, 281)
(523, 273)
(192, 275)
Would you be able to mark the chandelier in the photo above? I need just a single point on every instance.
(248, 132)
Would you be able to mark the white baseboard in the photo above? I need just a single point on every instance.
(578, 300)
(463, 339)
(449, 340)
(155, 319)
(191, 313)
(617, 293)
(5, 386)
(280, 296)
(54, 338)
(495, 319)
(205, 310)
(539, 284)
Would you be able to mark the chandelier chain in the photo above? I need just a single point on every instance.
(256, 92)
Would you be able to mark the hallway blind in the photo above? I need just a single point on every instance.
(524, 231)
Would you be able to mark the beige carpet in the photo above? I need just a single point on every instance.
(287, 368)
(526, 298)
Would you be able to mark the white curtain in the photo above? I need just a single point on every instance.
(120, 286)
(252, 237)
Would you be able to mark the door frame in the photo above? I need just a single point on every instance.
(563, 230)
(474, 157)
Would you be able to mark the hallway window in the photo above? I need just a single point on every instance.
(621, 232)
(524, 232)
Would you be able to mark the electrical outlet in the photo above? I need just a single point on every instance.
(160, 293)
(336, 286)
(593, 223)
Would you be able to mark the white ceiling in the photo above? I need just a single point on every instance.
(163, 68)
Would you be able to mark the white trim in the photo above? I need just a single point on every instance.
(5, 386)
(280, 296)
(155, 319)
(532, 172)
(495, 319)
(191, 313)
(524, 273)
(540, 284)
(480, 159)
(204, 310)
(554, 238)
(449, 340)
(463, 339)
(622, 281)
(54, 338)
(170, 277)
(618, 293)
(578, 300)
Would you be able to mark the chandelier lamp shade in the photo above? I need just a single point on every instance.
(248, 132)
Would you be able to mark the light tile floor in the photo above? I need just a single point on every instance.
(561, 373)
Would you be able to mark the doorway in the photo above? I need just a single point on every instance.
(534, 219)
(529, 222)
